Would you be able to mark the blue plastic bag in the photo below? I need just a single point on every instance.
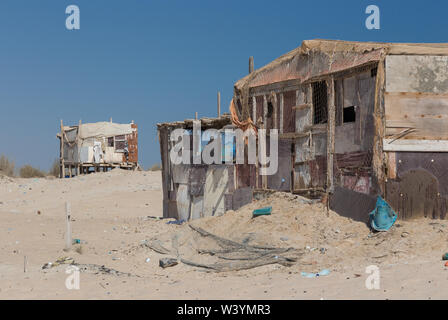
(382, 217)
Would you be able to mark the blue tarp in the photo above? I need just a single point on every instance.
(382, 217)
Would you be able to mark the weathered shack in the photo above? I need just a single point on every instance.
(192, 191)
(97, 146)
(356, 120)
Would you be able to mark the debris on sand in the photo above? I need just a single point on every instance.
(167, 262)
(91, 268)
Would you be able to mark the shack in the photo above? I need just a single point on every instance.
(100, 146)
(192, 191)
(356, 120)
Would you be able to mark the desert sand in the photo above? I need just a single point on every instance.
(116, 214)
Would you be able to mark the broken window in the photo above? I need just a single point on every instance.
(120, 143)
(349, 114)
(320, 102)
(110, 141)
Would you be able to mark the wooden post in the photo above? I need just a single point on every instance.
(254, 109)
(68, 232)
(251, 64)
(61, 160)
(330, 134)
(219, 104)
(196, 116)
(281, 112)
(78, 146)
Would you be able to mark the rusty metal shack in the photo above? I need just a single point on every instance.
(98, 146)
(357, 120)
(192, 191)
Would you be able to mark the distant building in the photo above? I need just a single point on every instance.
(97, 146)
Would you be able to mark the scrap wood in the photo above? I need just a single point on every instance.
(241, 265)
(236, 255)
(96, 269)
(229, 243)
(156, 245)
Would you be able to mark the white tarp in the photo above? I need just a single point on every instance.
(104, 129)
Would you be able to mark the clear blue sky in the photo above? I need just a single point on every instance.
(155, 61)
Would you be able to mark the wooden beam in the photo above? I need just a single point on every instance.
(251, 64)
(61, 155)
(330, 134)
(303, 106)
(219, 104)
(415, 145)
(281, 112)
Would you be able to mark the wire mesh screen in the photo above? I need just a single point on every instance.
(320, 102)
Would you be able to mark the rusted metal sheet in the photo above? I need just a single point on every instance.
(356, 183)
(241, 197)
(133, 144)
(259, 101)
(318, 171)
(421, 185)
(302, 176)
(354, 161)
(281, 180)
(305, 66)
(245, 175)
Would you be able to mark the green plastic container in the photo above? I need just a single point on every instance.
(262, 212)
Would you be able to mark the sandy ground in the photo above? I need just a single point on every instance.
(113, 216)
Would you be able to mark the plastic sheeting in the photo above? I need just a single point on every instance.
(104, 129)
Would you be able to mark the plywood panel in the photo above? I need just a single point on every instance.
(427, 114)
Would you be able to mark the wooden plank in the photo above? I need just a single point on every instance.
(281, 112)
(427, 113)
(415, 145)
(302, 106)
(391, 165)
(331, 134)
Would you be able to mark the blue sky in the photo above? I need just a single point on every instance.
(154, 61)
